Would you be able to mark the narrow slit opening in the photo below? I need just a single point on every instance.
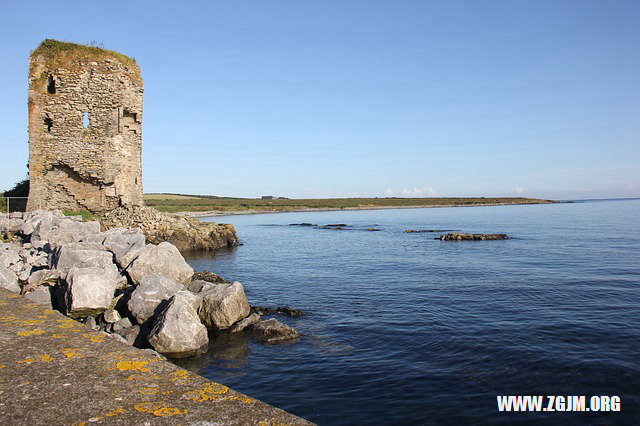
(51, 85)
(49, 123)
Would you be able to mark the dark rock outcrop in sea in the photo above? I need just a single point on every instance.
(282, 310)
(456, 236)
(420, 231)
(335, 226)
(273, 331)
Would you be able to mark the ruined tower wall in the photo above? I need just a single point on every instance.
(71, 167)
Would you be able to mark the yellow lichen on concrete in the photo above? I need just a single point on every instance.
(27, 361)
(71, 353)
(149, 391)
(45, 358)
(8, 319)
(31, 322)
(115, 412)
(180, 377)
(158, 409)
(30, 332)
(69, 324)
(132, 366)
(211, 391)
(95, 338)
(58, 336)
(243, 399)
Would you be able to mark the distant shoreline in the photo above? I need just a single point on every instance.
(215, 213)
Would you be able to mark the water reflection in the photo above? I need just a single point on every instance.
(228, 353)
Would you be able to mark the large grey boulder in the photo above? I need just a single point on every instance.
(149, 294)
(8, 279)
(44, 277)
(125, 244)
(162, 259)
(178, 332)
(273, 331)
(82, 255)
(9, 254)
(43, 219)
(223, 305)
(63, 231)
(88, 291)
(10, 224)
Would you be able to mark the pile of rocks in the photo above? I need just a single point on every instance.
(184, 233)
(144, 294)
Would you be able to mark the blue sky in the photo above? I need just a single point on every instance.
(360, 98)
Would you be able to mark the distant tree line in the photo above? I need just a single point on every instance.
(20, 189)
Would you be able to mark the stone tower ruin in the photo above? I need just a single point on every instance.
(85, 139)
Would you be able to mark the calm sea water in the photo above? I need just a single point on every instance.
(401, 328)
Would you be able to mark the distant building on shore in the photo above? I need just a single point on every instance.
(268, 197)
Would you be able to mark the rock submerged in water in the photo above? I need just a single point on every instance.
(420, 231)
(247, 322)
(335, 226)
(455, 236)
(283, 310)
(273, 331)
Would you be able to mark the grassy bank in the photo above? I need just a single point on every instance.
(195, 203)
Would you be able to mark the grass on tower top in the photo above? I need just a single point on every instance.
(62, 54)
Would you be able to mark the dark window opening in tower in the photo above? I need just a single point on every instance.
(51, 85)
(49, 123)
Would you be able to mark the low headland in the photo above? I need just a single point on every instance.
(206, 205)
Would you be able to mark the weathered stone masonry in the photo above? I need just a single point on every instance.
(85, 139)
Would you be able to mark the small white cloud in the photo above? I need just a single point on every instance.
(416, 192)
(629, 187)
(519, 190)
(388, 192)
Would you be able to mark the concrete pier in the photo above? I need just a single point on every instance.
(54, 370)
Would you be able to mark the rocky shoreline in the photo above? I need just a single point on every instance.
(183, 232)
(213, 213)
(117, 282)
